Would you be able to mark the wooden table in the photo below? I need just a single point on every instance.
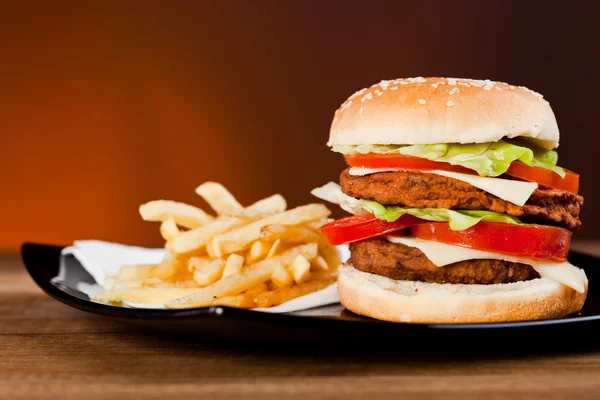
(49, 350)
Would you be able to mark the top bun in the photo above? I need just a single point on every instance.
(443, 110)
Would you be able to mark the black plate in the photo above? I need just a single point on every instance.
(329, 325)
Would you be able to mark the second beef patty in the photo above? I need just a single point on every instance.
(397, 261)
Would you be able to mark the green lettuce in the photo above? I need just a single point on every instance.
(457, 219)
(487, 159)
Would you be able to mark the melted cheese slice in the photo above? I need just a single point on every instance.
(442, 254)
(516, 192)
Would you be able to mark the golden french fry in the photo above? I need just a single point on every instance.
(257, 252)
(183, 214)
(240, 238)
(134, 272)
(282, 277)
(167, 268)
(206, 270)
(219, 198)
(196, 238)
(213, 249)
(290, 234)
(250, 277)
(274, 248)
(233, 265)
(263, 208)
(300, 269)
(169, 229)
(243, 300)
(136, 283)
(319, 263)
(143, 295)
(261, 287)
(279, 296)
(185, 284)
(331, 256)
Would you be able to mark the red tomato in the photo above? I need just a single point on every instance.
(517, 169)
(536, 241)
(401, 161)
(544, 176)
(352, 229)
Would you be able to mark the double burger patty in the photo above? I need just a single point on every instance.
(423, 190)
(399, 262)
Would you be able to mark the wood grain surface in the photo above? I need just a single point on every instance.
(49, 350)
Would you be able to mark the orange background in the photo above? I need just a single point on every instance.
(106, 105)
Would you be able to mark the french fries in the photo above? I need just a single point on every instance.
(263, 208)
(196, 238)
(261, 255)
(233, 265)
(300, 269)
(235, 284)
(219, 198)
(183, 214)
(279, 296)
(169, 229)
(240, 238)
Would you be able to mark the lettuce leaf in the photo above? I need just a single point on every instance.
(487, 159)
(457, 219)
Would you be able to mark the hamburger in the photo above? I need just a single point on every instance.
(460, 212)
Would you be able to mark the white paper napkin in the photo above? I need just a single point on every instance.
(101, 259)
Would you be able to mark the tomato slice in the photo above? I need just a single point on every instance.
(544, 176)
(535, 241)
(352, 229)
(401, 161)
(517, 169)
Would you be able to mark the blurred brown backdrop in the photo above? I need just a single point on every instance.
(105, 105)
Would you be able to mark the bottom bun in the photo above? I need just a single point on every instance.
(421, 302)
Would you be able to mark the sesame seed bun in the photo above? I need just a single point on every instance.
(421, 302)
(443, 110)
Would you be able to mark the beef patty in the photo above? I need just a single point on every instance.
(423, 190)
(397, 261)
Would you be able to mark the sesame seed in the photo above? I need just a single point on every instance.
(434, 85)
(512, 87)
(361, 91)
(421, 79)
(488, 85)
(498, 88)
(452, 81)
(404, 83)
(421, 101)
(453, 91)
(464, 84)
(478, 83)
(360, 110)
(366, 97)
(449, 103)
(394, 88)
